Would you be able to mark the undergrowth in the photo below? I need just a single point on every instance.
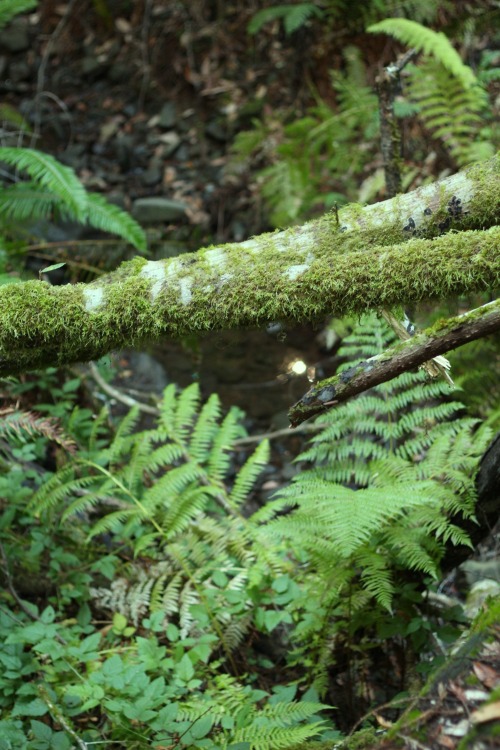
(330, 155)
(145, 604)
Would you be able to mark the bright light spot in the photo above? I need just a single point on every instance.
(297, 367)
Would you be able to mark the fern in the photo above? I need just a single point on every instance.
(11, 8)
(407, 470)
(432, 43)
(293, 16)
(170, 494)
(449, 97)
(22, 424)
(453, 113)
(56, 178)
(55, 188)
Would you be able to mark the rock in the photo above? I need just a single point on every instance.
(157, 210)
(170, 142)
(168, 116)
(74, 156)
(124, 149)
(19, 71)
(92, 67)
(151, 176)
(120, 72)
(15, 37)
(217, 130)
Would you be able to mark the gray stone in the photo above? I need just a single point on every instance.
(120, 72)
(74, 155)
(92, 67)
(168, 116)
(170, 142)
(216, 130)
(15, 37)
(151, 176)
(19, 71)
(156, 210)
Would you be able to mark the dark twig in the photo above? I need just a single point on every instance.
(404, 356)
(388, 86)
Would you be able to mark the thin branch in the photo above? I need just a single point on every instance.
(119, 395)
(407, 355)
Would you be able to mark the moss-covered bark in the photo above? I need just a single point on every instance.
(441, 338)
(392, 253)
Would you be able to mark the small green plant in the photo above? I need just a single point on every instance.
(392, 474)
(449, 97)
(155, 670)
(11, 8)
(292, 16)
(312, 162)
(55, 191)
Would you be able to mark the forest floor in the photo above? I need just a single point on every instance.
(147, 104)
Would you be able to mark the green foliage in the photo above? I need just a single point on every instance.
(392, 474)
(156, 675)
(313, 164)
(145, 622)
(433, 43)
(11, 8)
(54, 188)
(449, 98)
(455, 114)
(293, 16)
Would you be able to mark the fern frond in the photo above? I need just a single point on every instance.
(55, 177)
(273, 738)
(11, 8)
(219, 458)
(186, 411)
(27, 423)
(109, 218)
(112, 522)
(58, 488)
(453, 113)
(247, 475)
(205, 429)
(23, 201)
(433, 43)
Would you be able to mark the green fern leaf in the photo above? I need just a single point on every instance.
(11, 8)
(247, 475)
(293, 16)
(433, 43)
(205, 429)
(56, 178)
(103, 215)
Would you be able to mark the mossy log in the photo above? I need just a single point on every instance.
(441, 239)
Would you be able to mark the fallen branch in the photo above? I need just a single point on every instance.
(406, 355)
(380, 256)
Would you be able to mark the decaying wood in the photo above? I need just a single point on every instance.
(404, 356)
(403, 250)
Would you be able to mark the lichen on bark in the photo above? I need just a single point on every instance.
(372, 257)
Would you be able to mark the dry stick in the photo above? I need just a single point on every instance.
(118, 395)
(388, 85)
(404, 356)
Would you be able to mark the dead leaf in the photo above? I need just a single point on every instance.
(489, 712)
(486, 674)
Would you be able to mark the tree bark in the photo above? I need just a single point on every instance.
(439, 240)
(389, 364)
